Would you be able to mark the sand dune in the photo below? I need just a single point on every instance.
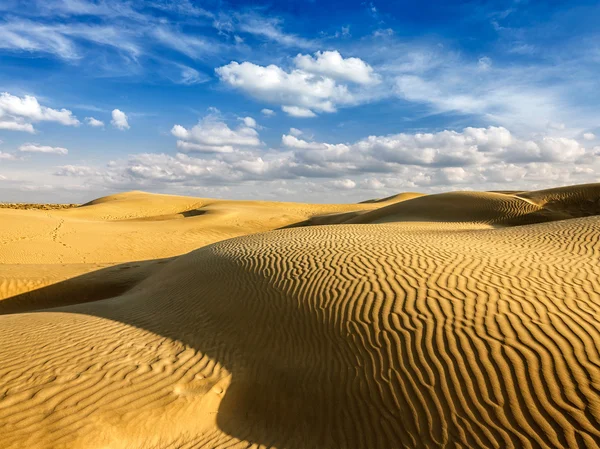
(452, 320)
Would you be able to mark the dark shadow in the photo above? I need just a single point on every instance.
(297, 381)
(94, 286)
(193, 213)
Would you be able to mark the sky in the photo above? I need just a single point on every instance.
(297, 100)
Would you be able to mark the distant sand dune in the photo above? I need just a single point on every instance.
(453, 323)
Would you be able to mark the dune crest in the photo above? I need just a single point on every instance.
(452, 320)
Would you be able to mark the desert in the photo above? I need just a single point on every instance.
(300, 224)
(459, 319)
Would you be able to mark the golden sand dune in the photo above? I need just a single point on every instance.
(454, 331)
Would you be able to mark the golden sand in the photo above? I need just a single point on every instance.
(454, 320)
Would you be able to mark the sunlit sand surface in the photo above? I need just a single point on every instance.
(462, 319)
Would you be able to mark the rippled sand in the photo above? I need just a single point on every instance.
(466, 319)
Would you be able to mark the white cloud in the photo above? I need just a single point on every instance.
(7, 156)
(267, 112)
(296, 111)
(60, 39)
(269, 28)
(523, 97)
(33, 37)
(249, 122)
(191, 46)
(190, 76)
(214, 136)
(36, 148)
(295, 132)
(18, 113)
(296, 88)
(589, 136)
(119, 119)
(331, 64)
(315, 85)
(489, 158)
(17, 126)
(294, 142)
(343, 184)
(75, 171)
(94, 122)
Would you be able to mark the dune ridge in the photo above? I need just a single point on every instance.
(446, 320)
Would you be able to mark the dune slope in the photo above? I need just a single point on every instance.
(404, 334)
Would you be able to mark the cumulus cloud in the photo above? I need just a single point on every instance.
(212, 135)
(36, 148)
(316, 85)
(300, 168)
(18, 113)
(589, 136)
(471, 157)
(249, 122)
(17, 125)
(333, 65)
(94, 122)
(444, 149)
(343, 184)
(119, 120)
(295, 132)
(296, 111)
(267, 112)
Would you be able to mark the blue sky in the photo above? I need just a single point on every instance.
(298, 100)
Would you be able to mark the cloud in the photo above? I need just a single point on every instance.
(191, 46)
(214, 136)
(269, 28)
(249, 122)
(190, 76)
(331, 64)
(295, 132)
(60, 39)
(343, 184)
(445, 149)
(33, 37)
(313, 86)
(589, 136)
(267, 112)
(94, 122)
(524, 97)
(17, 125)
(7, 157)
(114, 41)
(36, 148)
(18, 113)
(119, 120)
(296, 88)
(383, 32)
(294, 142)
(484, 63)
(296, 111)
(234, 159)
(75, 171)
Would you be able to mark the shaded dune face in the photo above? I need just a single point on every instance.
(349, 336)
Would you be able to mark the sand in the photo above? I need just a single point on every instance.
(464, 319)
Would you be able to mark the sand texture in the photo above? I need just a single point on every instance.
(456, 320)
